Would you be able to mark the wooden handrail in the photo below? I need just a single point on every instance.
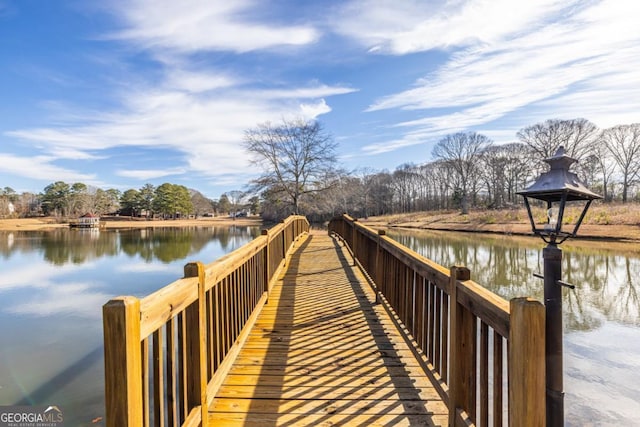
(460, 329)
(171, 349)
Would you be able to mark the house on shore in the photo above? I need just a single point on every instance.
(87, 220)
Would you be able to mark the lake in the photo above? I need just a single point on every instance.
(53, 285)
(52, 288)
(601, 316)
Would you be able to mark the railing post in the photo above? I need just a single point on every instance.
(267, 273)
(284, 244)
(122, 362)
(461, 349)
(354, 239)
(196, 344)
(379, 267)
(526, 363)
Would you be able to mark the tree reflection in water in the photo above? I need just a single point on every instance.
(606, 281)
(164, 244)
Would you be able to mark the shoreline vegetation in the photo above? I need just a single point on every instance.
(48, 223)
(620, 222)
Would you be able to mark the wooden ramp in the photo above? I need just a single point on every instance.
(322, 353)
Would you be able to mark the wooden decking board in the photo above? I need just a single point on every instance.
(325, 420)
(317, 371)
(379, 377)
(323, 353)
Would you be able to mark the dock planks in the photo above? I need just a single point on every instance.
(322, 353)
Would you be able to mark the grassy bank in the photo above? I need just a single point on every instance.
(32, 224)
(616, 222)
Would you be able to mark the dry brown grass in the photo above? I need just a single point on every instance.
(614, 221)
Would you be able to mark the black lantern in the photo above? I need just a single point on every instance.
(557, 187)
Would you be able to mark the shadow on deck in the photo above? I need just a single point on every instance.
(323, 353)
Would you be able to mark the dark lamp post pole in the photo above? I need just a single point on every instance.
(555, 187)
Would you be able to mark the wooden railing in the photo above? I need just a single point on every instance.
(166, 354)
(486, 354)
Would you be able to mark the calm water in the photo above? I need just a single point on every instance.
(53, 284)
(52, 287)
(601, 316)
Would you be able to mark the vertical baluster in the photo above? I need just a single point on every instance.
(158, 379)
(183, 372)
(211, 356)
(484, 375)
(144, 356)
(228, 316)
(172, 410)
(497, 379)
(432, 318)
(444, 372)
(437, 338)
(418, 332)
(233, 293)
(217, 333)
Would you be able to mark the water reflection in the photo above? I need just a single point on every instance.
(606, 282)
(52, 287)
(78, 246)
(601, 316)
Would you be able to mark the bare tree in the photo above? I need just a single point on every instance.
(623, 142)
(494, 161)
(366, 175)
(576, 135)
(519, 170)
(405, 179)
(462, 152)
(236, 197)
(605, 167)
(295, 157)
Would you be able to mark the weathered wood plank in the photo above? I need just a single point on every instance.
(329, 406)
(389, 391)
(328, 370)
(369, 420)
(378, 377)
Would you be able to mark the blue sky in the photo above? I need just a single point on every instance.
(117, 94)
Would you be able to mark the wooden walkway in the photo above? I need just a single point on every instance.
(322, 353)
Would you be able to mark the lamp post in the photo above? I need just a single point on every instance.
(556, 187)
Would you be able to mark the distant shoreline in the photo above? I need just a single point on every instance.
(451, 221)
(47, 223)
(624, 229)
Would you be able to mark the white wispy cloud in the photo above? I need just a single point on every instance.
(196, 82)
(198, 25)
(147, 174)
(40, 167)
(526, 60)
(192, 108)
(416, 26)
(204, 122)
(314, 109)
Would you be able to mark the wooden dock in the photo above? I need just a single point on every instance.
(322, 352)
(303, 328)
